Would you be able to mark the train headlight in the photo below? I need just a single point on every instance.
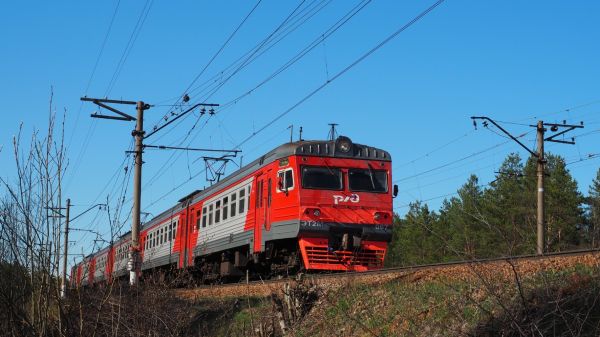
(312, 212)
(380, 216)
(344, 144)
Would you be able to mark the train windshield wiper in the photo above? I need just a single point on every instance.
(371, 176)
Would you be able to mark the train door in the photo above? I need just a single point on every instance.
(188, 227)
(262, 209)
(268, 199)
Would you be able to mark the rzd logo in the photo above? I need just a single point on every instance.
(348, 198)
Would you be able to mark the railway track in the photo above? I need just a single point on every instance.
(502, 266)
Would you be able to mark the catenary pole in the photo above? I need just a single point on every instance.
(63, 290)
(541, 230)
(134, 264)
(558, 129)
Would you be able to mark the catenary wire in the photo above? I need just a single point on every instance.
(312, 93)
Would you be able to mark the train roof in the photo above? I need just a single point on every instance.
(319, 148)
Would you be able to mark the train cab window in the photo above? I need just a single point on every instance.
(285, 180)
(204, 217)
(225, 204)
(233, 204)
(321, 178)
(241, 201)
(217, 211)
(210, 211)
(367, 180)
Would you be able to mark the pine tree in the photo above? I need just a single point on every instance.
(511, 209)
(414, 238)
(464, 218)
(594, 211)
(563, 211)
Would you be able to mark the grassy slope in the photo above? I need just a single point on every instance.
(545, 303)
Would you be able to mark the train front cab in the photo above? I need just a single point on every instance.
(345, 207)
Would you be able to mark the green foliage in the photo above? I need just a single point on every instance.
(593, 201)
(498, 219)
(415, 237)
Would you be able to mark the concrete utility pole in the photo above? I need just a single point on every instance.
(134, 253)
(541, 230)
(541, 161)
(63, 289)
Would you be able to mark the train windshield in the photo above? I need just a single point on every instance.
(322, 178)
(361, 180)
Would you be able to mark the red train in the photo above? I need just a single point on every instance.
(312, 205)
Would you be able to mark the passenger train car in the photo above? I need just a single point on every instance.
(310, 205)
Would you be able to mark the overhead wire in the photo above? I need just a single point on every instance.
(458, 160)
(319, 88)
(346, 69)
(569, 109)
(245, 63)
(129, 46)
(254, 53)
(219, 51)
(89, 82)
(441, 147)
(298, 56)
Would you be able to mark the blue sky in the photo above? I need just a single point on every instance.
(515, 61)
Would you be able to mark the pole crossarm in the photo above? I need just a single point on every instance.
(567, 129)
(179, 116)
(87, 210)
(163, 147)
(106, 100)
(533, 153)
(101, 103)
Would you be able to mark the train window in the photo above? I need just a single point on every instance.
(217, 211)
(198, 219)
(321, 178)
(248, 197)
(210, 210)
(367, 180)
(242, 199)
(204, 217)
(225, 201)
(175, 229)
(233, 196)
(165, 235)
(160, 236)
(285, 180)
